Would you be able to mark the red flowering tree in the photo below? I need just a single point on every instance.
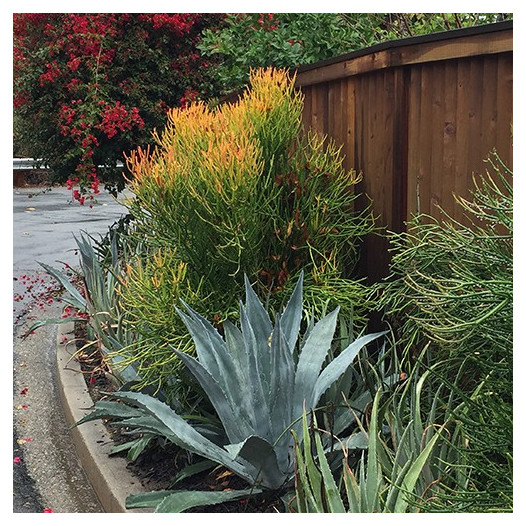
(89, 87)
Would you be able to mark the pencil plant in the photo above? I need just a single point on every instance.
(452, 288)
(234, 190)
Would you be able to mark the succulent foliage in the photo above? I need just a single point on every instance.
(259, 378)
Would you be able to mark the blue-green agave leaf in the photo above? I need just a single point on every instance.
(236, 347)
(231, 412)
(182, 500)
(258, 387)
(291, 317)
(262, 327)
(182, 433)
(338, 366)
(262, 456)
(107, 408)
(281, 385)
(208, 343)
(313, 354)
(150, 499)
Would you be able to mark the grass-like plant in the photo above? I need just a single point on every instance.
(93, 298)
(412, 447)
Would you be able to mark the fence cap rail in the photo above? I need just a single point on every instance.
(457, 43)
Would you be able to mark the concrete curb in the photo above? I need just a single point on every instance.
(110, 479)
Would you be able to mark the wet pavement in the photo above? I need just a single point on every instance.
(47, 475)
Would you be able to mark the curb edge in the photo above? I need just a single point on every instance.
(110, 479)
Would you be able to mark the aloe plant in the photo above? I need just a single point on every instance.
(259, 377)
(382, 483)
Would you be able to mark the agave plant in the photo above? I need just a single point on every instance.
(258, 383)
(99, 302)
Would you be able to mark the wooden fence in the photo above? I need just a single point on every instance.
(417, 117)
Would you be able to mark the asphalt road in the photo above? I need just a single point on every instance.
(44, 225)
(46, 472)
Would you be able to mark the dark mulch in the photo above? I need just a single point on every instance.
(159, 464)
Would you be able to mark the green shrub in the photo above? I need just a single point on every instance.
(452, 288)
(237, 190)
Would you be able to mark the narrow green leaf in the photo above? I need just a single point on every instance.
(42, 323)
(331, 492)
(410, 479)
(134, 447)
(193, 469)
(308, 487)
(77, 300)
(179, 501)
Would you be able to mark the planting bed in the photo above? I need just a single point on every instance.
(158, 465)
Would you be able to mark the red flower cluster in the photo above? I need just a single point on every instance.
(190, 95)
(179, 23)
(52, 73)
(117, 118)
(108, 81)
(267, 22)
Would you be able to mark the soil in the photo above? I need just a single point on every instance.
(158, 465)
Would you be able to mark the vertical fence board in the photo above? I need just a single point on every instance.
(416, 120)
(505, 108)
(307, 107)
(400, 154)
(423, 143)
(489, 103)
(439, 180)
(461, 180)
(413, 134)
(349, 123)
(450, 124)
